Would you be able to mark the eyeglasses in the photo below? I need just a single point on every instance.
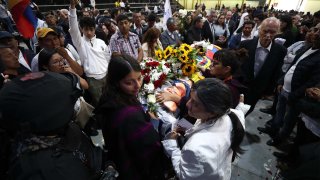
(61, 62)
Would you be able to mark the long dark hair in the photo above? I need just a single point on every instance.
(44, 58)
(217, 21)
(149, 36)
(216, 97)
(119, 67)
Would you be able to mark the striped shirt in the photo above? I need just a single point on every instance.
(128, 46)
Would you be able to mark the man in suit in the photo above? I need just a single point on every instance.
(244, 35)
(207, 29)
(195, 31)
(262, 69)
(170, 36)
(303, 73)
(230, 23)
(137, 26)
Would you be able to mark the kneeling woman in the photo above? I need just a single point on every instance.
(131, 141)
(214, 141)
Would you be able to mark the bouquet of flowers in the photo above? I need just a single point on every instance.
(154, 74)
(182, 60)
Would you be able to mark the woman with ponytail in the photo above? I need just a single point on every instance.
(214, 140)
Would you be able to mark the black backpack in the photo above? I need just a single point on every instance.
(74, 157)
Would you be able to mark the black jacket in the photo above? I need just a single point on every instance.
(194, 34)
(269, 73)
(207, 33)
(305, 75)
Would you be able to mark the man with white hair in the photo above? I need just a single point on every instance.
(63, 19)
(261, 70)
(207, 29)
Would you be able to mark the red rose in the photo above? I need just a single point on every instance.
(157, 83)
(145, 71)
(155, 63)
(167, 65)
(152, 64)
(146, 79)
(162, 77)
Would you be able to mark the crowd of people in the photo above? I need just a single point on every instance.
(79, 57)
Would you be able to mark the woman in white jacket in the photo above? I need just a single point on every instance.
(214, 141)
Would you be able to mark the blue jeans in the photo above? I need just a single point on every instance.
(289, 122)
(280, 111)
(285, 118)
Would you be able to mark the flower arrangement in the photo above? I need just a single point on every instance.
(154, 74)
(181, 59)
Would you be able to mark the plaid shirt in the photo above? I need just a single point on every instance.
(128, 46)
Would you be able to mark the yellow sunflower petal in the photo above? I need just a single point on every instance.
(158, 54)
(167, 52)
(183, 58)
(185, 47)
(188, 69)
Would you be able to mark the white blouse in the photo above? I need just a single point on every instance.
(207, 153)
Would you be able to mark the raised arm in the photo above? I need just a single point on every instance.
(73, 23)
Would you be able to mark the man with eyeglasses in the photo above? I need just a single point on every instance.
(304, 72)
(262, 69)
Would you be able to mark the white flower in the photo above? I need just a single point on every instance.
(165, 70)
(155, 75)
(143, 65)
(149, 87)
(176, 67)
(151, 98)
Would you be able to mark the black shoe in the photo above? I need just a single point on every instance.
(266, 130)
(281, 156)
(267, 110)
(269, 122)
(274, 142)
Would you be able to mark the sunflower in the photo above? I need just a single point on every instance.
(185, 47)
(183, 58)
(167, 52)
(175, 53)
(159, 54)
(188, 69)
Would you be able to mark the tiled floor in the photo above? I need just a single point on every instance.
(257, 162)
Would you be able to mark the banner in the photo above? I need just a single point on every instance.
(167, 13)
(23, 16)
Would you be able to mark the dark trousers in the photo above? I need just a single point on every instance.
(304, 136)
(95, 89)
